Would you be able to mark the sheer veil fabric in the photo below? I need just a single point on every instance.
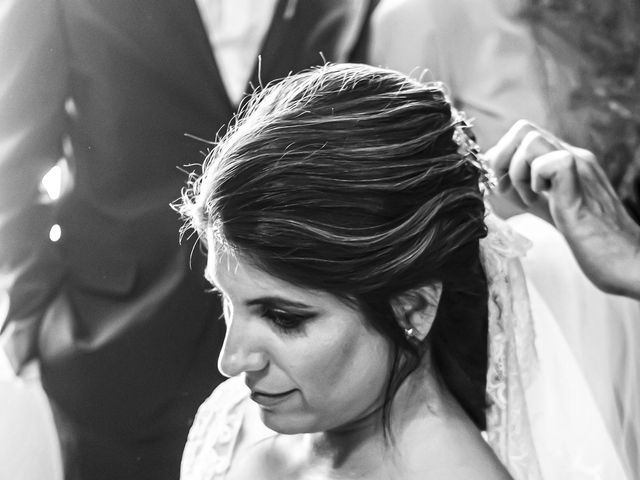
(543, 420)
(513, 363)
(586, 401)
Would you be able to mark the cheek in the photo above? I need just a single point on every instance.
(344, 365)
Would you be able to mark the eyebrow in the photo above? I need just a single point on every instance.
(277, 301)
(272, 300)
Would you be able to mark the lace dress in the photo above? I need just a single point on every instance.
(215, 431)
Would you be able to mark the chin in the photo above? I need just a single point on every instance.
(289, 424)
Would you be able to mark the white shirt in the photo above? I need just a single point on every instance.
(236, 30)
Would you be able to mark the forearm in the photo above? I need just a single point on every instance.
(620, 275)
(623, 276)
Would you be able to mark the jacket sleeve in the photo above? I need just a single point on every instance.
(33, 83)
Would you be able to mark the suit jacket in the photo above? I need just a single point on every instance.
(129, 348)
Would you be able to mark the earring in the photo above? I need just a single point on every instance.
(409, 333)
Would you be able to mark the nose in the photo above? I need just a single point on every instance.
(241, 351)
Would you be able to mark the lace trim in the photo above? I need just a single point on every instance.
(512, 355)
(212, 438)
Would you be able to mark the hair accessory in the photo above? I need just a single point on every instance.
(470, 150)
(513, 362)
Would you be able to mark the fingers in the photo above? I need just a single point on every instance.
(532, 146)
(556, 174)
(501, 154)
(590, 164)
(547, 175)
(576, 188)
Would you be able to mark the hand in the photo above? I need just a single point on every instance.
(565, 185)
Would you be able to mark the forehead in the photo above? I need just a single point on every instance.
(236, 276)
(221, 262)
(220, 257)
(229, 270)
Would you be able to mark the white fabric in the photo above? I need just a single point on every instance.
(29, 447)
(513, 364)
(570, 436)
(214, 435)
(601, 334)
(236, 30)
(548, 424)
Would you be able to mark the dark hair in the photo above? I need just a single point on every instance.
(347, 179)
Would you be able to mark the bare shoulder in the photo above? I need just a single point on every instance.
(460, 464)
(451, 451)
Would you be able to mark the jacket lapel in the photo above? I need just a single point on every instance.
(304, 33)
(275, 45)
(196, 46)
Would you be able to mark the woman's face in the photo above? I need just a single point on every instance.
(312, 363)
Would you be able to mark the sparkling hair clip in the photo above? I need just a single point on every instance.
(470, 150)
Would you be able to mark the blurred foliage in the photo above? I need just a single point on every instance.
(607, 34)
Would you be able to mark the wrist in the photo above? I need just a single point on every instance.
(622, 275)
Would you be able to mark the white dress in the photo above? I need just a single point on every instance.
(214, 435)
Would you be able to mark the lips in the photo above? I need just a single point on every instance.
(270, 399)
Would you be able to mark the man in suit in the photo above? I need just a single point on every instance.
(115, 311)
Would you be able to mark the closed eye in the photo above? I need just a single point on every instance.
(286, 321)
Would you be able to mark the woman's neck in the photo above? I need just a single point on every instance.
(429, 436)
(421, 401)
(351, 446)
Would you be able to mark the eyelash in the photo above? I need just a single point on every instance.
(217, 293)
(284, 321)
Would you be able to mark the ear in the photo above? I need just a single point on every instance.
(416, 309)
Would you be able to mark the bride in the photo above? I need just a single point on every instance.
(378, 324)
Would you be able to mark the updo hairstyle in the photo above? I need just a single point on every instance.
(347, 179)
